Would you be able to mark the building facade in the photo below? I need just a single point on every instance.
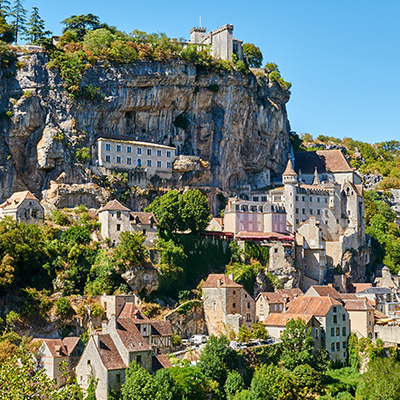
(269, 302)
(23, 207)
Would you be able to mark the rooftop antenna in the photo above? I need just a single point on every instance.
(200, 20)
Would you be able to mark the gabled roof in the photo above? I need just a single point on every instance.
(348, 296)
(323, 291)
(212, 281)
(281, 319)
(357, 305)
(375, 290)
(130, 310)
(358, 287)
(130, 335)
(290, 293)
(60, 347)
(16, 199)
(160, 361)
(145, 218)
(113, 205)
(318, 306)
(161, 328)
(109, 354)
(324, 160)
(271, 297)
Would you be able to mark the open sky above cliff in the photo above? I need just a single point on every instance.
(341, 56)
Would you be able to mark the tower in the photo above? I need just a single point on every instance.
(289, 179)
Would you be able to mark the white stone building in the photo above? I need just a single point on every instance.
(221, 41)
(116, 218)
(23, 207)
(123, 153)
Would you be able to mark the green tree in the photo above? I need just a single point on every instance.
(244, 334)
(98, 40)
(83, 154)
(165, 384)
(35, 29)
(139, 384)
(7, 273)
(130, 252)
(217, 359)
(258, 331)
(252, 55)
(81, 24)
(5, 8)
(63, 307)
(297, 344)
(381, 381)
(6, 30)
(18, 14)
(195, 211)
(233, 384)
(91, 390)
(168, 211)
(308, 380)
(271, 383)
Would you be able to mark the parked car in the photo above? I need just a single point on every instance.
(236, 345)
(198, 339)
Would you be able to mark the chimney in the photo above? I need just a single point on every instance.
(218, 283)
(231, 277)
(96, 338)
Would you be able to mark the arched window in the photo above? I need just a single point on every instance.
(139, 162)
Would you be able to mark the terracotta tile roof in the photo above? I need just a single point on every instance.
(16, 199)
(379, 315)
(358, 287)
(109, 354)
(130, 310)
(289, 171)
(212, 281)
(130, 335)
(318, 306)
(323, 291)
(220, 221)
(324, 160)
(290, 293)
(60, 348)
(272, 297)
(357, 305)
(357, 188)
(161, 328)
(113, 205)
(281, 319)
(348, 296)
(160, 361)
(143, 218)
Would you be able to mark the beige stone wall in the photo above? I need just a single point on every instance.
(262, 309)
(248, 309)
(362, 322)
(389, 334)
(113, 223)
(29, 211)
(150, 233)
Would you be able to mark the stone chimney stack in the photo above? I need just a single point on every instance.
(96, 338)
(219, 283)
(231, 277)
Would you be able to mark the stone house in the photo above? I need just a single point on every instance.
(116, 218)
(276, 323)
(361, 315)
(23, 207)
(124, 153)
(383, 299)
(289, 294)
(227, 305)
(269, 302)
(54, 353)
(323, 291)
(334, 320)
(221, 41)
(216, 224)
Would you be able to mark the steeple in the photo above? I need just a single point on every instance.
(316, 180)
(289, 176)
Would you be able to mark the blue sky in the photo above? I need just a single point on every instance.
(341, 56)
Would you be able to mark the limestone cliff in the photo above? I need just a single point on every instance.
(235, 123)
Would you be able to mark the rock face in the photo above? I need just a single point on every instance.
(235, 123)
(141, 278)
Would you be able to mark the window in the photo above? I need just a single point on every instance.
(108, 147)
(129, 161)
(248, 317)
(332, 331)
(129, 149)
(337, 331)
(149, 163)
(168, 164)
(297, 210)
(261, 307)
(316, 333)
(118, 160)
(118, 227)
(337, 346)
(333, 346)
(144, 329)
(326, 200)
(149, 152)
(144, 232)
(263, 198)
(159, 154)
(33, 213)
(108, 158)
(318, 199)
(303, 210)
(311, 199)
(139, 162)
(118, 214)
(276, 250)
(168, 154)
(88, 361)
(303, 198)
(234, 292)
(118, 147)
(344, 345)
(118, 377)
(334, 309)
(297, 221)
(245, 296)
(139, 150)
(318, 212)
(311, 211)
(344, 331)
(234, 305)
(139, 359)
(248, 305)
(344, 317)
(158, 164)
(297, 198)
(335, 319)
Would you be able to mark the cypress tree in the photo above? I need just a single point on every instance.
(18, 13)
(35, 30)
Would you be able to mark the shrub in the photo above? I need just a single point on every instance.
(83, 154)
(63, 307)
(12, 318)
(176, 340)
(28, 93)
(241, 66)
(96, 310)
(90, 92)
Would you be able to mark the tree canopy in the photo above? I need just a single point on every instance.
(35, 31)
(252, 55)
